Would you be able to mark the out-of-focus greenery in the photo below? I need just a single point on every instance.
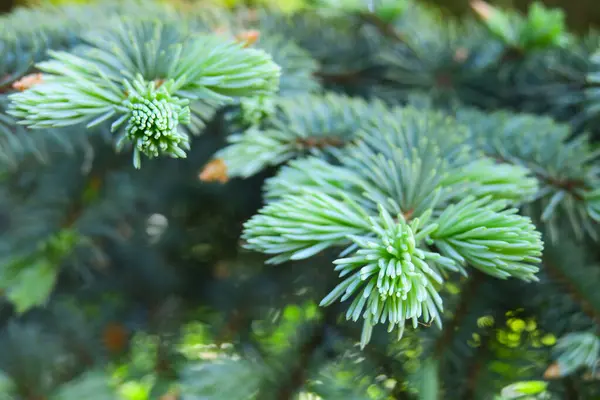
(580, 14)
(136, 378)
(285, 5)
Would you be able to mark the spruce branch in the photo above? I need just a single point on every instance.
(406, 129)
(103, 79)
(591, 80)
(407, 184)
(449, 61)
(298, 67)
(486, 177)
(255, 149)
(403, 160)
(301, 124)
(561, 83)
(153, 116)
(564, 166)
(341, 48)
(314, 173)
(417, 169)
(540, 29)
(300, 226)
(390, 276)
(406, 195)
(576, 350)
(490, 237)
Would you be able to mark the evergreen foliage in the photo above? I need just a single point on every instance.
(306, 178)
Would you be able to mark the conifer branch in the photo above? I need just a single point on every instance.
(112, 79)
(300, 124)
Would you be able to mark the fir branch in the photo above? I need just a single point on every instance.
(484, 177)
(394, 170)
(489, 237)
(563, 165)
(576, 350)
(317, 174)
(298, 67)
(300, 226)
(574, 186)
(111, 78)
(390, 276)
(300, 124)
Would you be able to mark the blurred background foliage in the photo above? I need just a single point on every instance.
(581, 14)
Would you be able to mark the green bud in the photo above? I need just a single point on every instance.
(153, 122)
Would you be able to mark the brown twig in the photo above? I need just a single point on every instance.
(298, 375)
(569, 185)
(474, 371)
(570, 389)
(586, 306)
(320, 143)
(383, 27)
(461, 311)
(95, 183)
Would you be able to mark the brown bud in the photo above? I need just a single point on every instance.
(589, 376)
(115, 338)
(95, 182)
(248, 38)
(28, 81)
(215, 171)
(221, 270)
(553, 372)
(483, 9)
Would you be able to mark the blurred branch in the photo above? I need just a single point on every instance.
(461, 311)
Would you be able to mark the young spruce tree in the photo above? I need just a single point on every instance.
(358, 200)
